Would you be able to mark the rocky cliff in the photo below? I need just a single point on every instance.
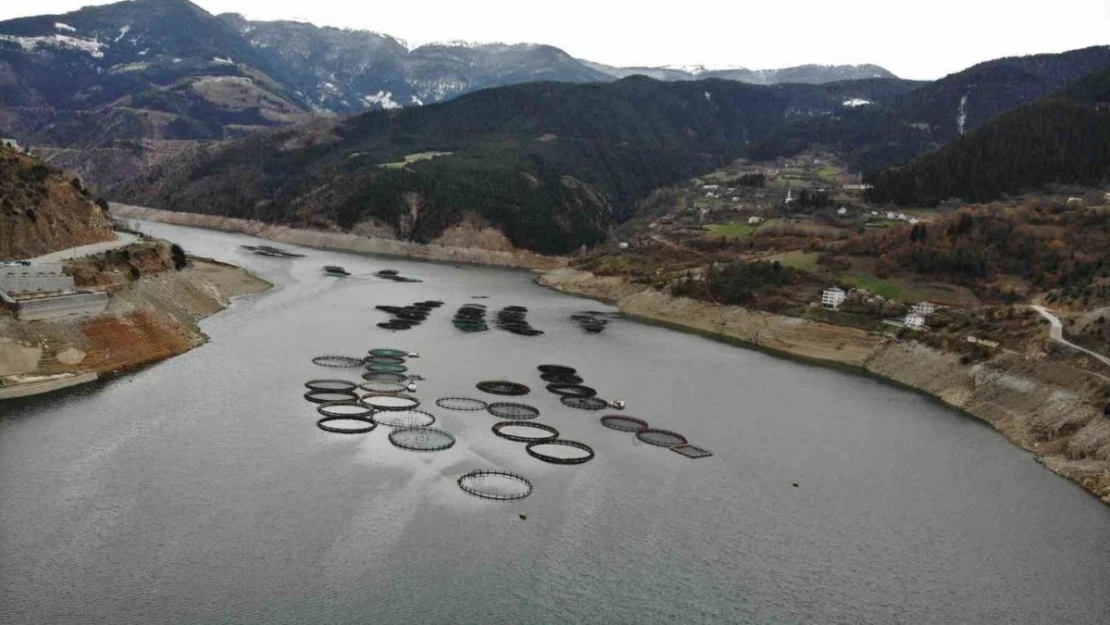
(1049, 408)
(42, 212)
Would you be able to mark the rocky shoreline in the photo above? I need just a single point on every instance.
(1050, 409)
(154, 318)
(449, 251)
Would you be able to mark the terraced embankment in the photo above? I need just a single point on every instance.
(1051, 409)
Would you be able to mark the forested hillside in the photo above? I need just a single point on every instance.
(551, 164)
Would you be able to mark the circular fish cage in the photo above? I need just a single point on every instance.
(557, 369)
(388, 388)
(383, 360)
(572, 390)
(390, 402)
(503, 387)
(384, 376)
(346, 425)
(496, 485)
(404, 418)
(462, 404)
(394, 325)
(585, 403)
(623, 423)
(510, 410)
(517, 309)
(561, 378)
(661, 438)
(561, 452)
(525, 432)
(351, 408)
(389, 352)
(327, 397)
(386, 367)
(330, 385)
(337, 362)
(422, 439)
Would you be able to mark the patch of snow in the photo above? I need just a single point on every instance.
(144, 52)
(417, 101)
(176, 60)
(854, 102)
(29, 44)
(128, 67)
(123, 30)
(61, 26)
(383, 99)
(222, 61)
(961, 118)
(708, 97)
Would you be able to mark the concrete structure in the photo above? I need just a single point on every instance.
(832, 298)
(914, 322)
(923, 308)
(9, 141)
(36, 279)
(73, 304)
(755, 221)
(984, 342)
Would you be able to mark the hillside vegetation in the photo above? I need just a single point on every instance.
(552, 164)
(41, 212)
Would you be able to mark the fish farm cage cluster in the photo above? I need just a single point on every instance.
(514, 319)
(406, 317)
(644, 433)
(395, 276)
(573, 393)
(471, 318)
(271, 251)
(591, 322)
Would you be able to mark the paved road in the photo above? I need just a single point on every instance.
(123, 239)
(1056, 333)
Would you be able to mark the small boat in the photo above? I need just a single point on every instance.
(335, 270)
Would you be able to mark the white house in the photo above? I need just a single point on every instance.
(914, 220)
(891, 215)
(1075, 201)
(923, 308)
(842, 211)
(755, 221)
(914, 322)
(832, 298)
(9, 141)
(623, 245)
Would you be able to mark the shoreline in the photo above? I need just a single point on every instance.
(1049, 409)
(153, 319)
(345, 242)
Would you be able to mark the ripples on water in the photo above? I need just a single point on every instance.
(200, 491)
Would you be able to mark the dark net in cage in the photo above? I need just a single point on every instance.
(560, 451)
(503, 387)
(397, 360)
(349, 408)
(330, 385)
(337, 362)
(391, 402)
(530, 432)
(389, 351)
(623, 423)
(660, 438)
(585, 403)
(571, 390)
(386, 367)
(324, 397)
(346, 425)
(421, 439)
(465, 404)
(691, 451)
(561, 378)
(496, 485)
(385, 376)
(377, 386)
(510, 410)
(404, 418)
(557, 369)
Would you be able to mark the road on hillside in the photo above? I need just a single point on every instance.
(123, 239)
(1056, 333)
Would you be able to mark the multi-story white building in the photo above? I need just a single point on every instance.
(832, 298)
(914, 322)
(923, 308)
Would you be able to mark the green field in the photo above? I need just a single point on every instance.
(731, 230)
(803, 261)
(886, 288)
(412, 158)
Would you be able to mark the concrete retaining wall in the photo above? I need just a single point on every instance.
(63, 306)
(18, 281)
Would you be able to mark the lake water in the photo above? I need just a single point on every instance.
(199, 490)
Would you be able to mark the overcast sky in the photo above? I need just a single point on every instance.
(915, 40)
